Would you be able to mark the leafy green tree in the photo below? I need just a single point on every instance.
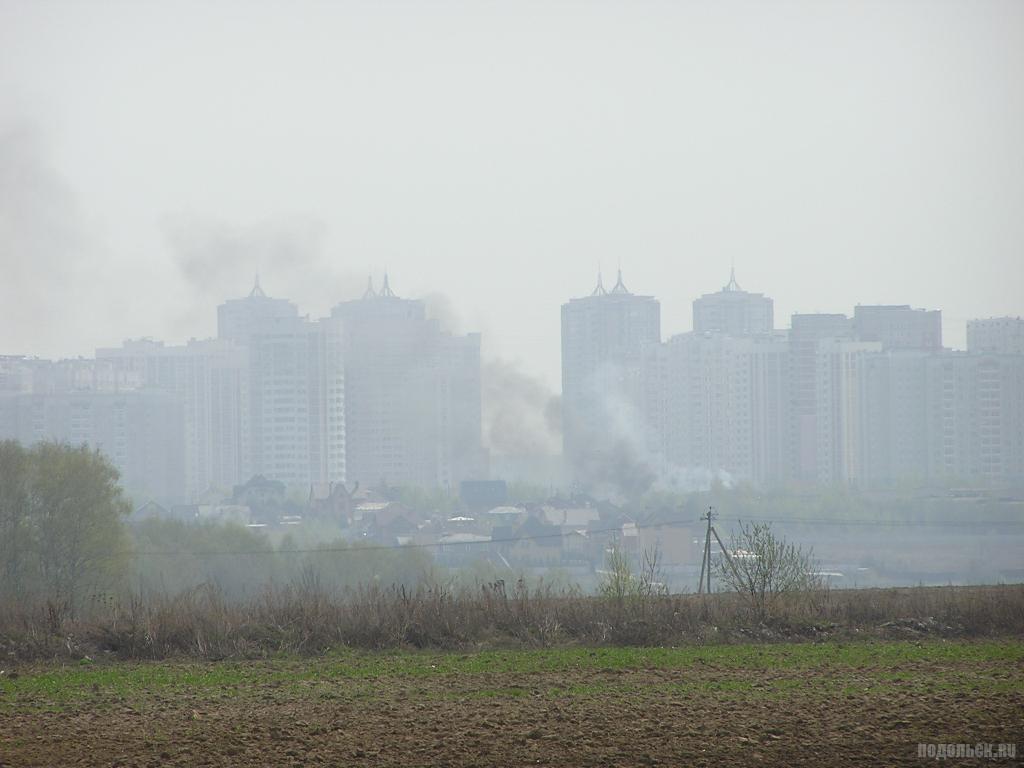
(173, 556)
(14, 518)
(340, 564)
(62, 529)
(77, 510)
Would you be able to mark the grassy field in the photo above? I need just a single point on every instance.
(801, 704)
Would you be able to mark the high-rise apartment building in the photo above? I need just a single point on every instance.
(996, 335)
(894, 434)
(839, 409)
(295, 429)
(975, 417)
(806, 334)
(769, 395)
(603, 337)
(209, 378)
(718, 403)
(239, 319)
(413, 409)
(733, 311)
(715, 374)
(897, 326)
(893, 437)
(139, 430)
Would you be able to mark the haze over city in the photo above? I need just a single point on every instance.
(580, 382)
(154, 157)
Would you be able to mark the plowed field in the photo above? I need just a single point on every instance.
(814, 705)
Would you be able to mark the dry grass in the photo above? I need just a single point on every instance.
(306, 619)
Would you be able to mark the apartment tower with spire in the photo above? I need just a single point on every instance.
(733, 311)
(413, 408)
(603, 337)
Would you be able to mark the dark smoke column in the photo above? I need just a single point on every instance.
(603, 336)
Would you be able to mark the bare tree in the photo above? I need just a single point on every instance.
(620, 582)
(765, 567)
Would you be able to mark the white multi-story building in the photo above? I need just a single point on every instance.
(894, 435)
(839, 399)
(718, 402)
(139, 430)
(805, 407)
(295, 380)
(996, 335)
(709, 417)
(769, 394)
(209, 378)
(975, 417)
(413, 410)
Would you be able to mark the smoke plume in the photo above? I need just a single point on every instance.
(44, 249)
(519, 412)
(217, 260)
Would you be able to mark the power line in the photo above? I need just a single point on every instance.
(356, 547)
(897, 523)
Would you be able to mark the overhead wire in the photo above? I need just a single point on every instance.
(357, 546)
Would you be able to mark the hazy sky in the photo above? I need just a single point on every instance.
(154, 156)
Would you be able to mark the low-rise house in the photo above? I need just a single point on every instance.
(332, 501)
(149, 511)
(534, 542)
(500, 516)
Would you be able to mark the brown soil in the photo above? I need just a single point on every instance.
(696, 716)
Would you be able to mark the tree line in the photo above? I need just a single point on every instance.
(66, 539)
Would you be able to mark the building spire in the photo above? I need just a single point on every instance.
(370, 293)
(256, 290)
(732, 285)
(620, 287)
(385, 290)
(599, 290)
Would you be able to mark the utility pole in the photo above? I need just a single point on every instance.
(705, 563)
